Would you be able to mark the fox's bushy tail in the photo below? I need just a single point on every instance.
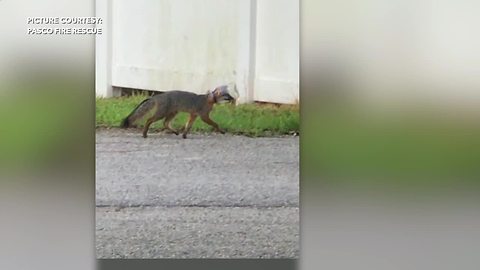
(137, 113)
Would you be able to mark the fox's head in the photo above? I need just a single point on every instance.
(223, 93)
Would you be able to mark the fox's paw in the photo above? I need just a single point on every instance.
(184, 135)
(221, 131)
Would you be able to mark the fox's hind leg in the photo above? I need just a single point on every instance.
(167, 122)
(147, 125)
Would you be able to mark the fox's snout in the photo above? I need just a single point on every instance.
(226, 98)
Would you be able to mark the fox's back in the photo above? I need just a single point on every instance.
(181, 101)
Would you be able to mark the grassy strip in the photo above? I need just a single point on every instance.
(247, 119)
(416, 147)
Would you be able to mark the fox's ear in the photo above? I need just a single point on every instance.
(212, 95)
(217, 91)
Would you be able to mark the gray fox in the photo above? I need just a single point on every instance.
(168, 104)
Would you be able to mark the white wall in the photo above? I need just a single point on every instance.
(394, 53)
(195, 45)
(277, 51)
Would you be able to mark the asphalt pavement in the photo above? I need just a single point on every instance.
(208, 196)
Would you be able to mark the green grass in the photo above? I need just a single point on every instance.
(44, 123)
(354, 145)
(246, 119)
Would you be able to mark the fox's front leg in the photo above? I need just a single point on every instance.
(206, 119)
(189, 125)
